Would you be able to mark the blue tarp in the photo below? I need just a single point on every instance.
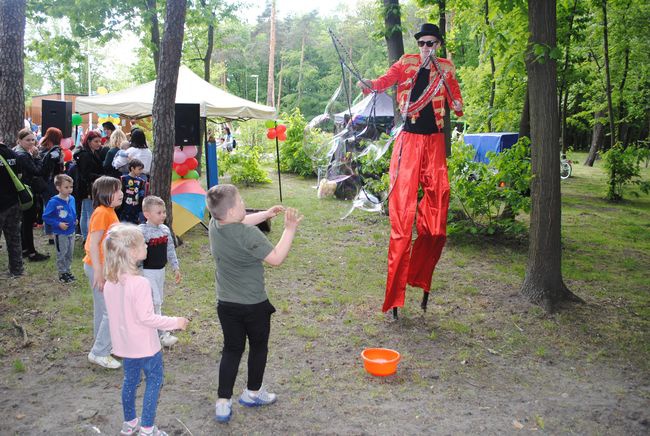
(485, 142)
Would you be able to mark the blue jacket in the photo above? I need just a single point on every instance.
(58, 211)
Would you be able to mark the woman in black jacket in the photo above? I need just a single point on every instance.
(89, 168)
(32, 167)
(52, 158)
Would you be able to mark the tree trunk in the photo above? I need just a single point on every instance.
(524, 122)
(164, 103)
(623, 126)
(492, 74)
(543, 282)
(277, 107)
(270, 83)
(155, 32)
(442, 24)
(608, 90)
(302, 61)
(393, 32)
(597, 138)
(12, 69)
(207, 59)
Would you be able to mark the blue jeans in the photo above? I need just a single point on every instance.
(86, 212)
(153, 371)
(101, 330)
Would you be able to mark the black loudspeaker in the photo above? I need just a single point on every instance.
(188, 124)
(57, 113)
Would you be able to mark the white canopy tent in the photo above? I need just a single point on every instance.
(137, 102)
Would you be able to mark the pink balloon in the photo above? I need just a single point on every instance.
(179, 156)
(190, 150)
(66, 143)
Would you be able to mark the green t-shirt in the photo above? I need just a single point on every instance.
(238, 250)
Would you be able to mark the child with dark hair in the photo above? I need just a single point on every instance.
(133, 187)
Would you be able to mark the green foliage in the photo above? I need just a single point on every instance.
(482, 193)
(374, 171)
(623, 166)
(293, 157)
(244, 165)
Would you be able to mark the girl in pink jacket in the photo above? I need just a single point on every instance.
(134, 325)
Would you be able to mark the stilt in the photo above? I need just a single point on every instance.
(394, 313)
(425, 301)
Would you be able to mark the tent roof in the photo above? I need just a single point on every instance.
(137, 102)
(383, 107)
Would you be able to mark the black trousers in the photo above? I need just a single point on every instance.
(10, 225)
(238, 322)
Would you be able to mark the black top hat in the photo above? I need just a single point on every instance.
(429, 29)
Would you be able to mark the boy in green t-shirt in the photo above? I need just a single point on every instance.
(242, 304)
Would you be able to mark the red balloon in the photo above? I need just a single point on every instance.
(281, 128)
(182, 170)
(67, 155)
(282, 136)
(271, 134)
(191, 163)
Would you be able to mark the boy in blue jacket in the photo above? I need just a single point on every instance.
(61, 214)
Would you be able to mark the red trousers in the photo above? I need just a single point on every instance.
(417, 160)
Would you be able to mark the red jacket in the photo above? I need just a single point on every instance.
(404, 73)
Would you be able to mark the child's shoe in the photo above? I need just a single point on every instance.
(105, 361)
(223, 411)
(167, 339)
(151, 431)
(261, 398)
(130, 428)
(71, 277)
(66, 278)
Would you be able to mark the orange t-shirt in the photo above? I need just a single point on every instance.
(102, 219)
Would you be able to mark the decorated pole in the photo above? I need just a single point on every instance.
(279, 133)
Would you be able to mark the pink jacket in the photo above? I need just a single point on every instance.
(133, 323)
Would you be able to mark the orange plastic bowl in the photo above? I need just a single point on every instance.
(380, 361)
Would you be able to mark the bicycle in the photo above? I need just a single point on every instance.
(565, 167)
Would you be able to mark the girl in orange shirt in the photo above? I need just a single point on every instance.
(106, 195)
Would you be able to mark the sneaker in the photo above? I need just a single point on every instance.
(50, 241)
(105, 361)
(223, 411)
(15, 275)
(167, 339)
(130, 429)
(152, 431)
(71, 277)
(37, 257)
(66, 278)
(261, 398)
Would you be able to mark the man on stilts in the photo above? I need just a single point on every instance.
(424, 84)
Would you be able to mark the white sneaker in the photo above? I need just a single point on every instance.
(167, 339)
(261, 398)
(223, 411)
(104, 361)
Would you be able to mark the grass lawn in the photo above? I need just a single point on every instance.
(481, 358)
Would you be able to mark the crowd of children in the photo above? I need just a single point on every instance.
(127, 248)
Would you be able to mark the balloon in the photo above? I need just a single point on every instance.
(76, 119)
(271, 134)
(269, 124)
(175, 176)
(101, 90)
(282, 136)
(179, 156)
(67, 154)
(192, 163)
(102, 120)
(66, 143)
(193, 174)
(182, 169)
(190, 150)
(116, 120)
(281, 128)
(102, 115)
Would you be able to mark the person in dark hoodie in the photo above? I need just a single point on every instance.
(52, 158)
(89, 168)
(32, 167)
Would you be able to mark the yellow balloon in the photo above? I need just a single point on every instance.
(116, 121)
(101, 90)
(102, 120)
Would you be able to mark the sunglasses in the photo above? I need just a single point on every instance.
(428, 43)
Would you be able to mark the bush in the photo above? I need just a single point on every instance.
(293, 158)
(623, 166)
(374, 171)
(243, 164)
(483, 192)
